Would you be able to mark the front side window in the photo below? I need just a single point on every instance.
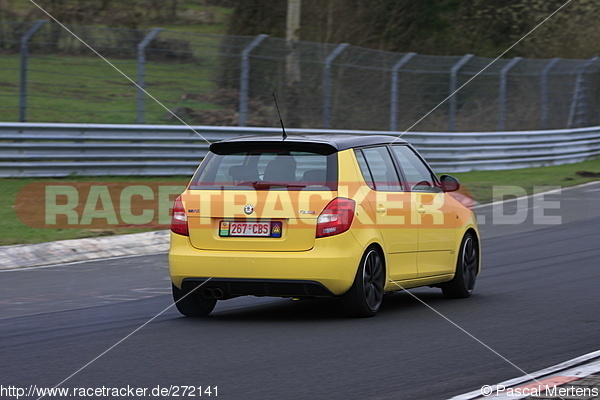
(378, 169)
(267, 169)
(418, 176)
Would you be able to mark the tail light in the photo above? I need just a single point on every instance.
(179, 222)
(336, 218)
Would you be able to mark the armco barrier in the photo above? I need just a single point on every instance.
(57, 150)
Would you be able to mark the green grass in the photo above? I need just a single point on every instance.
(13, 231)
(86, 89)
(481, 183)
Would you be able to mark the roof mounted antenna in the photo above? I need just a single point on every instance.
(280, 120)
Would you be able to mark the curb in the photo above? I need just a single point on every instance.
(551, 377)
(66, 251)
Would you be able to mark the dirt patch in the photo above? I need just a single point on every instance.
(227, 115)
(223, 97)
(588, 174)
(204, 117)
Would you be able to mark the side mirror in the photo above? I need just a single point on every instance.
(449, 183)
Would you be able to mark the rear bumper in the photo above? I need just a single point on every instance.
(259, 287)
(328, 268)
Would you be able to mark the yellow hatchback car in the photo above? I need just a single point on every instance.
(350, 216)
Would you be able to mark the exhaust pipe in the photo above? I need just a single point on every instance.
(215, 293)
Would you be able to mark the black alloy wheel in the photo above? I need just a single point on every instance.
(467, 267)
(366, 294)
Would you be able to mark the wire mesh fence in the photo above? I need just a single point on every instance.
(48, 75)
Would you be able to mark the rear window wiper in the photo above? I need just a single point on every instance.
(266, 185)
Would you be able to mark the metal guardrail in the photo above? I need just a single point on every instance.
(59, 150)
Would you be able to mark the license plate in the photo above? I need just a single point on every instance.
(250, 229)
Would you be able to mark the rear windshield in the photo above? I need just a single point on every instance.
(267, 170)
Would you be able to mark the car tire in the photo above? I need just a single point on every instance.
(467, 267)
(192, 304)
(366, 294)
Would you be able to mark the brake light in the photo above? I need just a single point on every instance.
(179, 222)
(336, 218)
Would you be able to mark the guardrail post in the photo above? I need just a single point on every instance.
(24, 56)
(453, 87)
(327, 84)
(579, 92)
(245, 76)
(502, 92)
(394, 90)
(141, 78)
(544, 92)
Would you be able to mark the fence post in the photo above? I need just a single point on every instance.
(544, 92)
(579, 93)
(394, 90)
(502, 92)
(327, 84)
(453, 87)
(24, 55)
(245, 76)
(141, 67)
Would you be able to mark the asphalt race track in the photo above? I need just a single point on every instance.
(536, 304)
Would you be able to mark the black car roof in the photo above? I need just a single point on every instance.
(326, 142)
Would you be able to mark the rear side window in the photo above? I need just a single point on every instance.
(378, 169)
(267, 169)
(364, 169)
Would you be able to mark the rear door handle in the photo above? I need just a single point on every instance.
(380, 209)
(421, 209)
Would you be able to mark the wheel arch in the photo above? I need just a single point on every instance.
(379, 249)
